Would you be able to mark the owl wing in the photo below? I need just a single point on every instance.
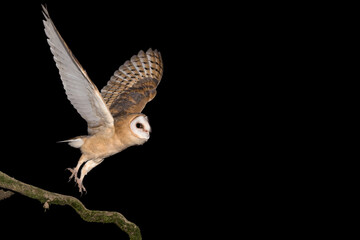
(80, 90)
(134, 84)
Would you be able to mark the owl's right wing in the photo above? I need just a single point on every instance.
(134, 84)
(80, 90)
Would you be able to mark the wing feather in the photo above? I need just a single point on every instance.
(134, 83)
(80, 90)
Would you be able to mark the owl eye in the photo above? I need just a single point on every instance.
(139, 125)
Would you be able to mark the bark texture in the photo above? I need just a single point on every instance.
(47, 198)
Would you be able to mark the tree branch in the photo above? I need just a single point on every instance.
(5, 194)
(47, 198)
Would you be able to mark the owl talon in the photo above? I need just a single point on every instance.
(73, 174)
(81, 186)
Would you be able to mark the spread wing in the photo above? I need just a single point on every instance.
(80, 90)
(134, 84)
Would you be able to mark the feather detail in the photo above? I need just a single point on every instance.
(80, 90)
(141, 66)
(75, 142)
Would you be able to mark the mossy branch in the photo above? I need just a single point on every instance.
(47, 198)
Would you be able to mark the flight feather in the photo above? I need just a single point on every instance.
(134, 83)
(80, 90)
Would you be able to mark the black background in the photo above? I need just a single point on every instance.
(170, 186)
(231, 121)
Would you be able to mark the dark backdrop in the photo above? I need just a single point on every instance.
(165, 185)
(229, 138)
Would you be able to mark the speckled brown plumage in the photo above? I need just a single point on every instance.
(134, 83)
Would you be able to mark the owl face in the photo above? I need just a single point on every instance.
(140, 127)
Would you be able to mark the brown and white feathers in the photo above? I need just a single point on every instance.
(113, 115)
(139, 76)
(128, 90)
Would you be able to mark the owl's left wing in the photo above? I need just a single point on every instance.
(134, 84)
(80, 90)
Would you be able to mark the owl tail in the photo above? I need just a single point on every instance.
(76, 142)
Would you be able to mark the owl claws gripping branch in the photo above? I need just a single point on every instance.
(113, 115)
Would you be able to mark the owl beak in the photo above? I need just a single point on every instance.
(147, 137)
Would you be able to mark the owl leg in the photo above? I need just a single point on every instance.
(74, 171)
(85, 169)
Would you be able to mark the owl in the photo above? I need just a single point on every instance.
(113, 115)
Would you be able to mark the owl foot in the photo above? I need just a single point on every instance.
(73, 174)
(77, 180)
(80, 185)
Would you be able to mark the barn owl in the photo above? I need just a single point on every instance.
(113, 115)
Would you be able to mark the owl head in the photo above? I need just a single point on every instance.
(133, 129)
(140, 127)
